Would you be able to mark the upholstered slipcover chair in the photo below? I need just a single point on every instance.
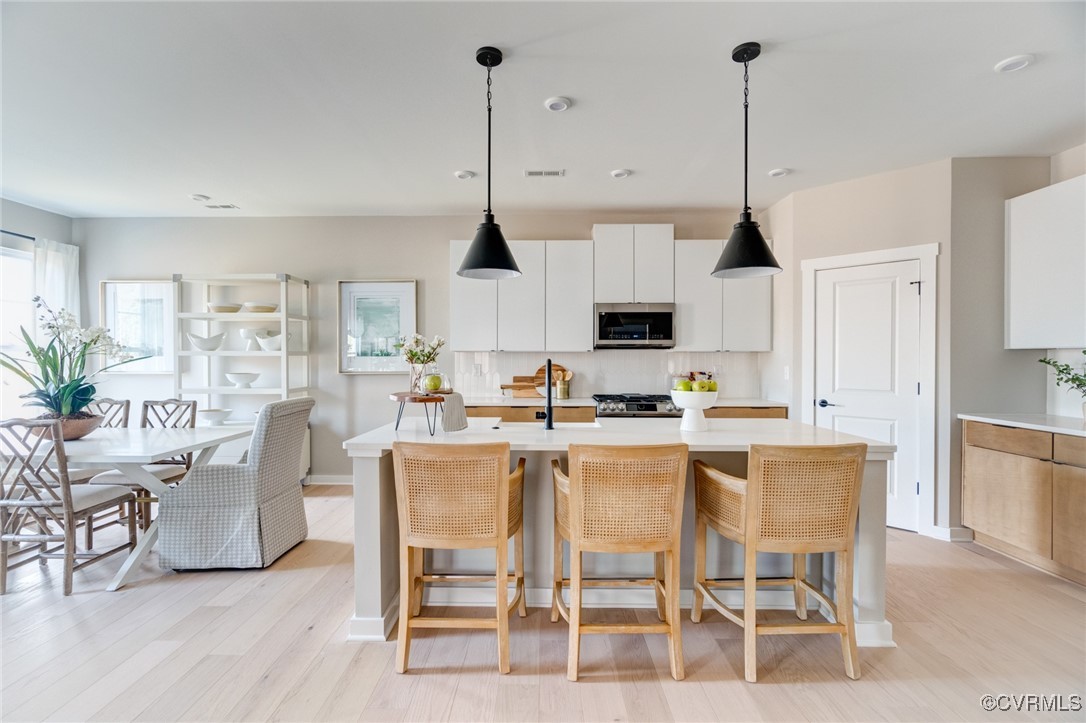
(241, 515)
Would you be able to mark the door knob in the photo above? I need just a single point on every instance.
(824, 403)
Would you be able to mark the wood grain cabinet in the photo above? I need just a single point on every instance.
(528, 413)
(747, 413)
(1024, 494)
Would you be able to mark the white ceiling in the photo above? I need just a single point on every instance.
(360, 108)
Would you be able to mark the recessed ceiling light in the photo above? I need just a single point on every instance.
(1014, 63)
(621, 172)
(464, 175)
(557, 104)
(199, 197)
(779, 172)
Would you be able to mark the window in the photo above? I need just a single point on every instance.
(16, 309)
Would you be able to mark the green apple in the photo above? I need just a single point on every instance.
(684, 386)
(700, 386)
(712, 385)
(432, 382)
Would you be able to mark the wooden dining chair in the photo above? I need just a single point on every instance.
(157, 414)
(796, 501)
(39, 506)
(458, 496)
(114, 414)
(620, 499)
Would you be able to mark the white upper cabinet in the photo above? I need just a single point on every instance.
(473, 307)
(634, 263)
(569, 317)
(698, 296)
(522, 300)
(718, 314)
(1045, 268)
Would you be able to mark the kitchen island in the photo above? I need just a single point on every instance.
(724, 446)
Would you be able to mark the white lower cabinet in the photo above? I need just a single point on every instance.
(718, 314)
(569, 317)
(473, 307)
(522, 300)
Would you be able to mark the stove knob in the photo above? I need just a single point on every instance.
(670, 407)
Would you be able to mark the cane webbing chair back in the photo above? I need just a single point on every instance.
(114, 412)
(803, 499)
(623, 497)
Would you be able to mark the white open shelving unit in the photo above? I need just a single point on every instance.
(201, 375)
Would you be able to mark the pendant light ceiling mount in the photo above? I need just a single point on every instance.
(746, 254)
(488, 256)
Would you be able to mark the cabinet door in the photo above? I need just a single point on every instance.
(473, 307)
(1068, 513)
(698, 296)
(613, 247)
(1009, 497)
(654, 263)
(522, 300)
(569, 296)
(748, 314)
(1046, 301)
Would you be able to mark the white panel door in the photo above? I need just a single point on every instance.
(522, 300)
(569, 296)
(613, 245)
(473, 307)
(748, 314)
(867, 368)
(654, 263)
(698, 296)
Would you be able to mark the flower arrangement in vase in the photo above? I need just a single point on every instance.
(420, 354)
(1067, 374)
(57, 370)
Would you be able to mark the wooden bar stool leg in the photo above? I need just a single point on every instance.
(574, 614)
(700, 533)
(403, 639)
(799, 572)
(750, 614)
(658, 573)
(418, 570)
(556, 576)
(518, 569)
(845, 616)
(675, 635)
(501, 580)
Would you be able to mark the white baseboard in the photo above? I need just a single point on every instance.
(363, 630)
(948, 534)
(330, 479)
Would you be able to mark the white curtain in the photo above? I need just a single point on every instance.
(56, 275)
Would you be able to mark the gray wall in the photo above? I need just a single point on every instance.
(34, 222)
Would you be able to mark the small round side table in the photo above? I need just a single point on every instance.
(405, 398)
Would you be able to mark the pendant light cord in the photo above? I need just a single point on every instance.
(489, 95)
(746, 106)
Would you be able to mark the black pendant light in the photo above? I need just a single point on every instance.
(489, 256)
(746, 254)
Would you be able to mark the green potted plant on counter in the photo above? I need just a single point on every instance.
(1069, 375)
(57, 370)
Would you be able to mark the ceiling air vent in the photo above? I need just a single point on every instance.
(544, 174)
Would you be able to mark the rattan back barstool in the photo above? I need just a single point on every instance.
(795, 500)
(620, 499)
(458, 496)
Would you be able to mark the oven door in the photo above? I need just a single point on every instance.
(635, 326)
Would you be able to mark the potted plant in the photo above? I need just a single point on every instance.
(57, 370)
(1067, 374)
(419, 353)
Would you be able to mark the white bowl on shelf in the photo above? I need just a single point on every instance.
(206, 343)
(221, 307)
(251, 335)
(260, 307)
(271, 341)
(693, 405)
(242, 380)
(213, 417)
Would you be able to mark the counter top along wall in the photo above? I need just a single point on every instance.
(1041, 422)
(501, 401)
(724, 446)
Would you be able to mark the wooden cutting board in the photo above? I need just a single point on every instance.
(557, 372)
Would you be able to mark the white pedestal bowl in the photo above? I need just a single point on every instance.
(693, 405)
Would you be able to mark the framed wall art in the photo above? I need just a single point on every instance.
(373, 315)
(140, 315)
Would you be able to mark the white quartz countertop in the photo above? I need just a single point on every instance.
(500, 401)
(1041, 422)
(723, 435)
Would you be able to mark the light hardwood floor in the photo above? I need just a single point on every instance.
(270, 644)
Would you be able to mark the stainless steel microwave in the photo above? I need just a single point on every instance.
(635, 326)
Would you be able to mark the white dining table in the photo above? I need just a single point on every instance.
(127, 450)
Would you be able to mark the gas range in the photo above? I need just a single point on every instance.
(635, 405)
